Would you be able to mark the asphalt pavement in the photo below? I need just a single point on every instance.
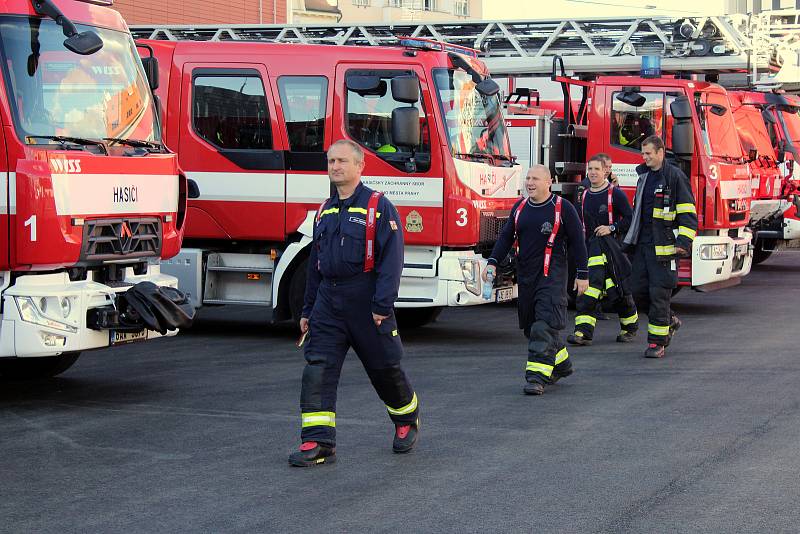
(191, 433)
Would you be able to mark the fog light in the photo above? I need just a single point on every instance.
(714, 252)
(471, 272)
(66, 307)
(53, 340)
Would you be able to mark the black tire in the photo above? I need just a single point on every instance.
(417, 317)
(36, 368)
(297, 290)
(759, 254)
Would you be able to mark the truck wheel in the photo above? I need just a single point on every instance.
(416, 317)
(759, 254)
(36, 368)
(297, 290)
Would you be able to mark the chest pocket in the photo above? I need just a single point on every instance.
(354, 238)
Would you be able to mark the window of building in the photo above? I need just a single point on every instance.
(631, 125)
(230, 111)
(461, 8)
(364, 3)
(304, 108)
(369, 119)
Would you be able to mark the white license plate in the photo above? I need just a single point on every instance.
(119, 338)
(504, 294)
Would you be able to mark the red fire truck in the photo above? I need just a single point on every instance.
(614, 114)
(774, 126)
(92, 199)
(251, 123)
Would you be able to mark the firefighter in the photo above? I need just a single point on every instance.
(606, 214)
(544, 226)
(353, 278)
(663, 205)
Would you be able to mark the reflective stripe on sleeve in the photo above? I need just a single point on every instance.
(540, 368)
(329, 211)
(318, 419)
(594, 261)
(687, 232)
(609, 283)
(407, 409)
(592, 292)
(657, 330)
(666, 250)
(685, 208)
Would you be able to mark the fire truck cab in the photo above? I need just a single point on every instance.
(251, 123)
(614, 114)
(91, 198)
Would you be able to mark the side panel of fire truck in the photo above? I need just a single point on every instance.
(253, 137)
(92, 198)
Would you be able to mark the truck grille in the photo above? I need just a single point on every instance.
(491, 224)
(114, 239)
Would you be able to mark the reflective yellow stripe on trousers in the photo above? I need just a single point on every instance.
(318, 419)
(585, 319)
(629, 320)
(540, 368)
(407, 409)
(657, 330)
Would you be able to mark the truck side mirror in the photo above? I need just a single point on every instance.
(488, 87)
(682, 128)
(405, 89)
(405, 127)
(632, 98)
(150, 65)
(752, 154)
(681, 108)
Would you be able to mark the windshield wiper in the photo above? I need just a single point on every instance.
(63, 139)
(138, 143)
(492, 158)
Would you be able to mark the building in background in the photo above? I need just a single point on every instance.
(203, 11)
(382, 11)
(757, 6)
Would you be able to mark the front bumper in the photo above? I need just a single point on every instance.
(448, 287)
(707, 273)
(62, 331)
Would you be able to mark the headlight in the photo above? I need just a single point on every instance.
(31, 313)
(471, 272)
(714, 252)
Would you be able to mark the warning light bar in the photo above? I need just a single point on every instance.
(430, 44)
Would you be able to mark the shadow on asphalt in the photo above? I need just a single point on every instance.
(65, 389)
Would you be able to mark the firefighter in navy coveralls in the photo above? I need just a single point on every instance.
(543, 235)
(663, 207)
(348, 304)
(606, 214)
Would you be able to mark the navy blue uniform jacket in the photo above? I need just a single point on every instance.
(339, 243)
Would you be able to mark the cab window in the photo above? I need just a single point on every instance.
(631, 125)
(230, 111)
(304, 108)
(369, 121)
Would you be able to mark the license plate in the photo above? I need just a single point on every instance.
(504, 294)
(119, 338)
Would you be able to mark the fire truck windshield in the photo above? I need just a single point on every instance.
(791, 122)
(55, 92)
(719, 131)
(474, 122)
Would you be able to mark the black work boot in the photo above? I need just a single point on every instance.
(312, 453)
(674, 324)
(625, 336)
(578, 339)
(654, 351)
(533, 388)
(405, 437)
(558, 375)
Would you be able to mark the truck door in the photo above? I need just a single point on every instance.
(230, 144)
(363, 113)
(7, 189)
(627, 125)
